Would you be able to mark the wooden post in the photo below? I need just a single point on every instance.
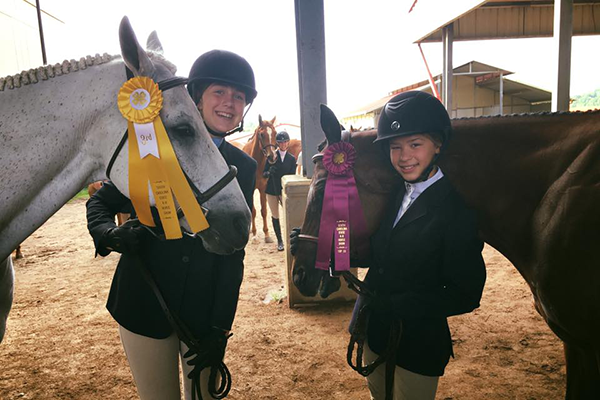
(447, 38)
(563, 31)
(310, 42)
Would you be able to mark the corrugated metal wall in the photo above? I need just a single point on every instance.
(500, 22)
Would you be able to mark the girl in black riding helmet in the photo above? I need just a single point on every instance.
(426, 255)
(201, 288)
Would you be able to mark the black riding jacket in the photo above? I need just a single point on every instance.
(287, 166)
(430, 267)
(202, 288)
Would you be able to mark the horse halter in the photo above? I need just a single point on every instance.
(201, 197)
(264, 147)
(316, 158)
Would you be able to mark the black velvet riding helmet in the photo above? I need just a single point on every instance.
(221, 66)
(414, 112)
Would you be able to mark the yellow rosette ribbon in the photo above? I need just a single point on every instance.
(152, 159)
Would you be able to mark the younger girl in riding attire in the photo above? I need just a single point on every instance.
(426, 262)
(202, 288)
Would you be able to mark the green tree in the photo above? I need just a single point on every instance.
(588, 100)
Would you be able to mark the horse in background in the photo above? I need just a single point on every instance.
(72, 130)
(261, 146)
(534, 181)
(295, 148)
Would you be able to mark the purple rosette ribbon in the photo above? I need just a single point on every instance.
(341, 210)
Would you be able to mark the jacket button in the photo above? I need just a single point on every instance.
(185, 259)
(380, 271)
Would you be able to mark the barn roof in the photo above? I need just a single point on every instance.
(485, 75)
(496, 19)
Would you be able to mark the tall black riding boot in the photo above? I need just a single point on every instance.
(277, 229)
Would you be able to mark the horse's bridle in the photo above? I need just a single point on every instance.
(201, 197)
(264, 146)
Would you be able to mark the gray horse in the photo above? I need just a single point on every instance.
(59, 127)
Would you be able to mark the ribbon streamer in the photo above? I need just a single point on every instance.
(152, 161)
(341, 210)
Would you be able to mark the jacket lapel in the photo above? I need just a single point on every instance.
(431, 197)
(385, 229)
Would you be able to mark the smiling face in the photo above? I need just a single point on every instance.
(283, 146)
(222, 107)
(410, 155)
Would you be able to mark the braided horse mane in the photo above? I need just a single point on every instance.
(46, 72)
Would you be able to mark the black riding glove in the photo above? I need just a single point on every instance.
(126, 238)
(273, 170)
(266, 174)
(294, 240)
(210, 351)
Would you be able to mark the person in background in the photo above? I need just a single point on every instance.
(285, 164)
(299, 164)
(202, 288)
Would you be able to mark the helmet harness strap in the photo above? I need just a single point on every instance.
(238, 129)
(425, 175)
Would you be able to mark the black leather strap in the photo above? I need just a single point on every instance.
(186, 336)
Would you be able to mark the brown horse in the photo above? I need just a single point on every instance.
(534, 180)
(261, 146)
(295, 148)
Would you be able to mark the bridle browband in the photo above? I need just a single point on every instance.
(264, 147)
(201, 197)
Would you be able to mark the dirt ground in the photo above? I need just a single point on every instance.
(61, 342)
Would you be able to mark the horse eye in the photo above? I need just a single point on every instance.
(183, 130)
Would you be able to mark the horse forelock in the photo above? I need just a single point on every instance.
(156, 57)
(47, 72)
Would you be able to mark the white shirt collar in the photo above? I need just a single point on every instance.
(415, 189)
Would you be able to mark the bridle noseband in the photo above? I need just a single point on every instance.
(264, 146)
(201, 197)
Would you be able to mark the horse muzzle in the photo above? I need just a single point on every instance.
(227, 234)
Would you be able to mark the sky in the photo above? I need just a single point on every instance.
(368, 50)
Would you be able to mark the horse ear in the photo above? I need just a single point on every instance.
(260, 120)
(273, 120)
(154, 44)
(134, 56)
(330, 125)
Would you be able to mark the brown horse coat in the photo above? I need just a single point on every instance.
(534, 180)
(261, 148)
